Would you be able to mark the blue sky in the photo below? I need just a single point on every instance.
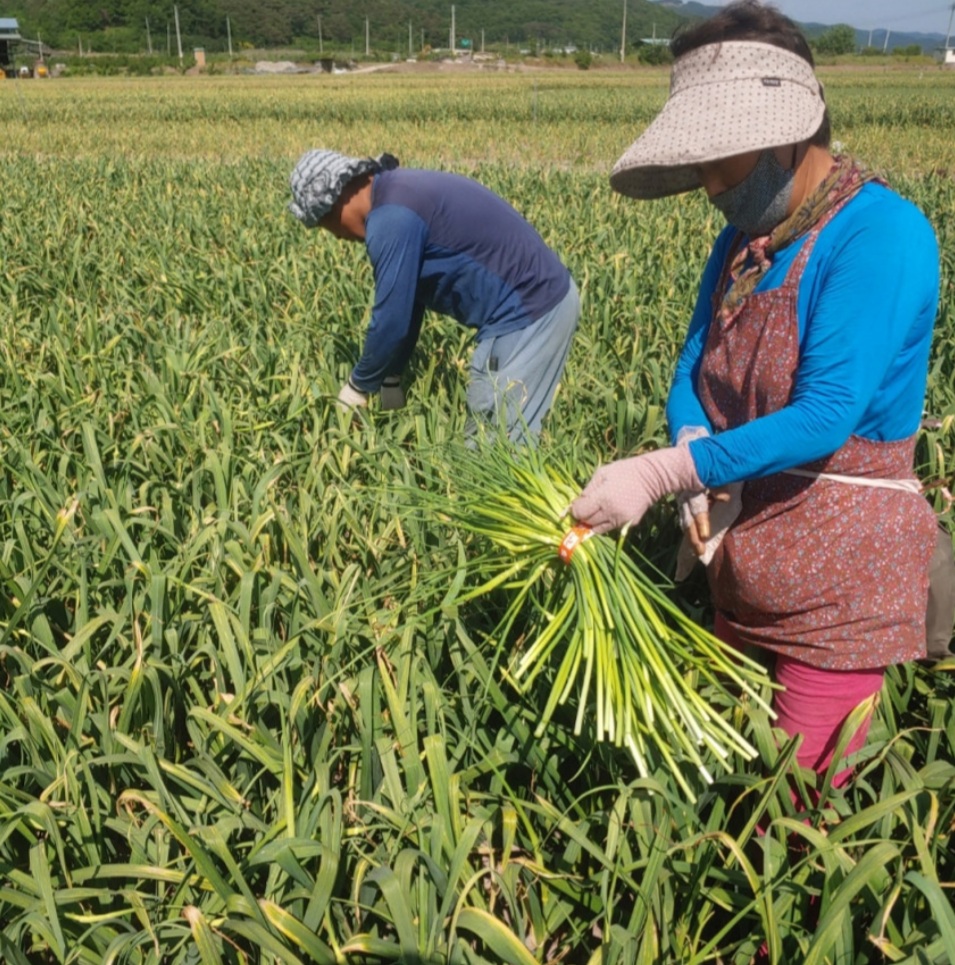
(921, 16)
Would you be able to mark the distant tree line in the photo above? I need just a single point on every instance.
(843, 39)
(394, 26)
(128, 26)
(840, 39)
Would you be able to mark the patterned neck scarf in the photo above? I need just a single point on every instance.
(844, 180)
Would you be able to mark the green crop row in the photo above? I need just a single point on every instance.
(244, 716)
(898, 120)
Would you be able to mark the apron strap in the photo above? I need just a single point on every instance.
(905, 485)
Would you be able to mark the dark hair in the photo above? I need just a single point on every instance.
(750, 20)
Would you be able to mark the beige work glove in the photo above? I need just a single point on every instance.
(620, 493)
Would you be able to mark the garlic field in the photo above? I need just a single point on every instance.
(247, 712)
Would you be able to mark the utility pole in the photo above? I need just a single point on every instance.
(948, 35)
(451, 36)
(178, 35)
(320, 46)
(367, 38)
(149, 39)
(228, 31)
(623, 33)
(410, 41)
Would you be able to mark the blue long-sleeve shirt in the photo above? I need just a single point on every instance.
(866, 308)
(445, 242)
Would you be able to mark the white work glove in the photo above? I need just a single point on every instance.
(705, 515)
(351, 398)
(620, 493)
(692, 503)
(726, 503)
(392, 394)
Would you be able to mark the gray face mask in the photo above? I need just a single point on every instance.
(759, 202)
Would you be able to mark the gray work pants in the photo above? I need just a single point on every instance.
(513, 378)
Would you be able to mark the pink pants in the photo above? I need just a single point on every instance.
(816, 704)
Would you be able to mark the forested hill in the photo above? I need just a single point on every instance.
(121, 24)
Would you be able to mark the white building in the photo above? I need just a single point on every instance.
(9, 38)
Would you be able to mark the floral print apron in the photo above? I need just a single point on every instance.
(833, 574)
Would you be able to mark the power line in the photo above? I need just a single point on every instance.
(863, 17)
(912, 15)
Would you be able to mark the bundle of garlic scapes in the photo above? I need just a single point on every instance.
(595, 618)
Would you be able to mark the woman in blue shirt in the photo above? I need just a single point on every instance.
(800, 386)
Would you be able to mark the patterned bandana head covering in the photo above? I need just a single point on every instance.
(751, 261)
(320, 177)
